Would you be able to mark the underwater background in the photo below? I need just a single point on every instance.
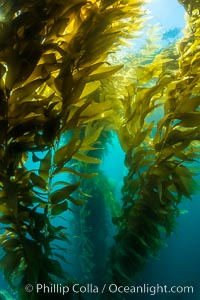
(92, 226)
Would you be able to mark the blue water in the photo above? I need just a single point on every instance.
(169, 14)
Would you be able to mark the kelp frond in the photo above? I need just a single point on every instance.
(53, 56)
(158, 156)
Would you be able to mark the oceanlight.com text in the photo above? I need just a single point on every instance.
(151, 289)
(57, 288)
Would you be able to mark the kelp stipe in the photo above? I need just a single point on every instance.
(160, 175)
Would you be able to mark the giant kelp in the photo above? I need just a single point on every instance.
(158, 156)
(55, 107)
(50, 80)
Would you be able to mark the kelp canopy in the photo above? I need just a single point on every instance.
(56, 81)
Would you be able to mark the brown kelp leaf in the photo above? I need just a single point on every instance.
(91, 135)
(61, 257)
(10, 263)
(25, 108)
(35, 158)
(63, 193)
(10, 244)
(25, 91)
(6, 219)
(53, 267)
(50, 130)
(188, 119)
(178, 135)
(140, 136)
(90, 88)
(77, 202)
(73, 118)
(96, 111)
(66, 152)
(4, 209)
(14, 66)
(39, 72)
(72, 171)
(40, 219)
(25, 126)
(184, 181)
(45, 165)
(103, 72)
(83, 73)
(39, 141)
(87, 159)
(38, 181)
(50, 111)
(59, 208)
(188, 105)
(48, 58)
(60, 183)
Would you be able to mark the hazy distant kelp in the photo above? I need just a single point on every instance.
(160, 164)
(53, 57)
(4, 295)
